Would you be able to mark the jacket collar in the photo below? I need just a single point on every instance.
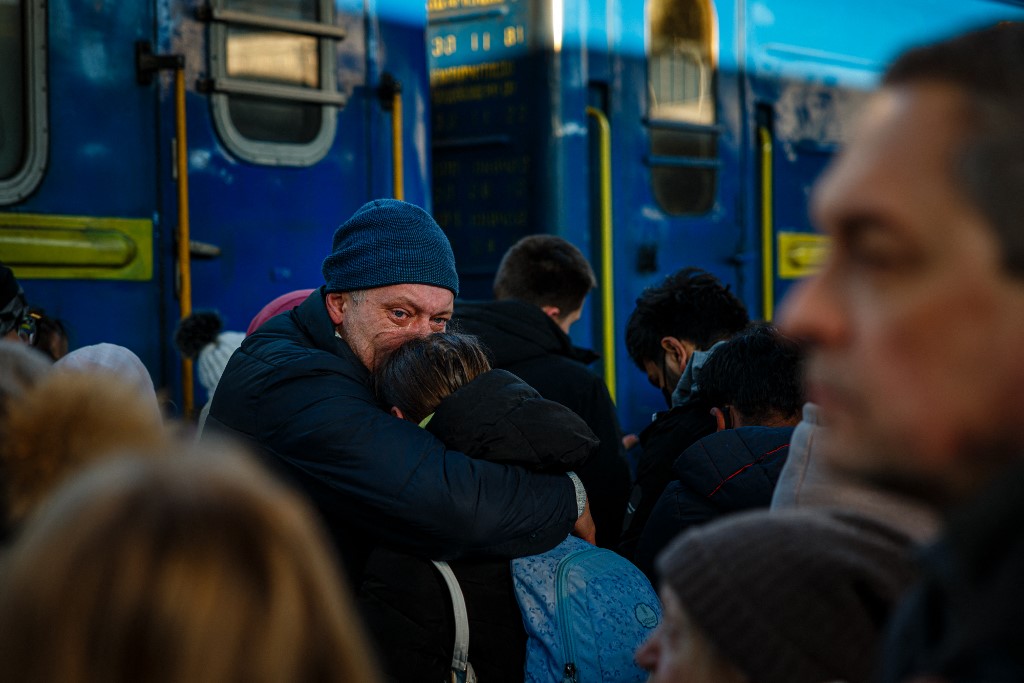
(315, 323)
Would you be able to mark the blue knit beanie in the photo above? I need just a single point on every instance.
(389, 242)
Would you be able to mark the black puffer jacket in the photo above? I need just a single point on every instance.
(522, 339)
(728, 471)
(404, 600)
(298, 394)
(662, 442)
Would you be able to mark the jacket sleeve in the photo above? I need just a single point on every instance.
(606, 475)
(405, 489)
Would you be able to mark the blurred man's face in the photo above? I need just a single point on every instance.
(916, 333)
(374, 322)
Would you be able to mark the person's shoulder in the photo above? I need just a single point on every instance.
(281, 354)
(734, 468)
(678, 427)
(740, 445)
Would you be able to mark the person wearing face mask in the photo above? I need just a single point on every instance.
(669, 336)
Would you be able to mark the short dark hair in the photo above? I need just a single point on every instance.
(757, 372)
(691, 304)
(422, 372)
(545, 270)
(987, 66)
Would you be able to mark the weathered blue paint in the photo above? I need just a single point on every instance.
(513, 157)
(799, 69)
(111, 155)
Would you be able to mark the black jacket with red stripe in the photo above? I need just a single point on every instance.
(728, 471)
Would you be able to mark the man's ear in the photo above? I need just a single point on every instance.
(676, 354)
(552, 312)
(719, 419)
(335, 303)
(397, 412)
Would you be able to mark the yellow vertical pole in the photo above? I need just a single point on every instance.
(767, 230)
(607, 261)
(183, 237)
(396, 144)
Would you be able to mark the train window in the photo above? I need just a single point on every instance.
(273, 81)
(23, 141)
(681, 63)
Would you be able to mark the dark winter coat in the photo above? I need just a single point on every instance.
(728, 471)
(404, 600)
(297, 394)
(964, 622)
(524, 340)
(662, 442)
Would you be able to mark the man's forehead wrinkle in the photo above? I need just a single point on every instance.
(432, 302)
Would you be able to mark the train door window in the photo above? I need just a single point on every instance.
(23, 141)
(273, 78)
(681, 65)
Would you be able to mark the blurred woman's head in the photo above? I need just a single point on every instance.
(192, 568)
(65, 422)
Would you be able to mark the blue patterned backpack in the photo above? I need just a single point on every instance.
(586, 610)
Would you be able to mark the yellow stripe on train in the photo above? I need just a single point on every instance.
(43, 246)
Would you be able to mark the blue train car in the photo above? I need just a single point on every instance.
(655, 135)
(652, 134)
(287, 111)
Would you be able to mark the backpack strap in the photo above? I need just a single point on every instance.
(460, 654)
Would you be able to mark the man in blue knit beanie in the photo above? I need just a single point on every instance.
(390, 276)
(299, 390)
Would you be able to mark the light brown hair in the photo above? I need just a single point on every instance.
(197, 568)
(68, 420)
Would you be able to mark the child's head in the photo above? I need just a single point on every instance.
(418, 375)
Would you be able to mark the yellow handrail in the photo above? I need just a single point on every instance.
(767, 232)
(184, 256)
(607, 272)
(396, 144)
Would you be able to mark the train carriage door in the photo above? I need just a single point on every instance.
(79, 219)
(676, 125)
(291, 127)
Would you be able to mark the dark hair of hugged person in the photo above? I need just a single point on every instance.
(418, 375)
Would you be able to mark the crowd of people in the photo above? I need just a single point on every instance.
(388, 483)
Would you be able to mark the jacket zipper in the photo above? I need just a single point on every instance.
(568, 650)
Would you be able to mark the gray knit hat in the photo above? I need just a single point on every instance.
(794, 596)
(389, 242)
